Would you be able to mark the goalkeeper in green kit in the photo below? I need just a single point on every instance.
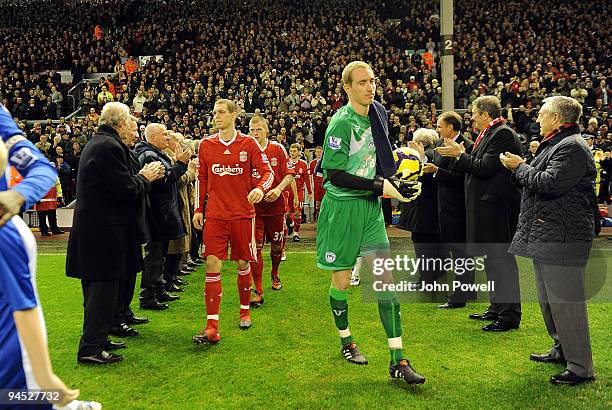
(358, 168)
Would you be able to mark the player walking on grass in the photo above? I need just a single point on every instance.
(226, 163)
(301, 179)
(270, 213)
(351, 221)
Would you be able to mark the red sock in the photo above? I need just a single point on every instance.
(276, 260)
(257, 270)
(244, 290)
(212, 297)
(297, 221)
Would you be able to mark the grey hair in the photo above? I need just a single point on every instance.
(489, 104)
(425, 136)
(569, 109)
(150, 130)
(114, 114)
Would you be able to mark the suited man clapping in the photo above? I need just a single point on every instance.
(451, 204)
(492, 206)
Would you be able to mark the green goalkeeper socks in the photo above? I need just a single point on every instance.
(339, 306)
(389, 310)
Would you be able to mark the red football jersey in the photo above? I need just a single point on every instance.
(281, 166)
(317, 178)
(301, 176)
(224, 173)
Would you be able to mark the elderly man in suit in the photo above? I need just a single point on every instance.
(557, 223)
(492, 202)
(104, 244)
(451, 204)
(163, 217)
(420, 216)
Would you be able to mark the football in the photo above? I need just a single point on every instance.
(407, 163)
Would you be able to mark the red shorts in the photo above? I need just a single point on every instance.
(300, 199)
(239, 234)
(270, 228)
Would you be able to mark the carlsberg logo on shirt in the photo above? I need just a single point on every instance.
(223, 170)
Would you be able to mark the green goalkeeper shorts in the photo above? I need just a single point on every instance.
(348, 228)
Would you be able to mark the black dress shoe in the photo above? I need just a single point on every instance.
(188, 268)
(499, 326)
(123, 330)
(166, 297)
(154, 306)
(181, 282)
(136, 320)
(103, 357)
(45, 234)
(449, 305)
(184, 272)
(57, 232)
(546, 358)
(110, 345)
(486, 315)
(570, 378)
(171, 288)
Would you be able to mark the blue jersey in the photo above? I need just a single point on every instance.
(17, 292)
(39, 175)
(18, 254)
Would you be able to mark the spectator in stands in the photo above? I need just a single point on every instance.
(531, 153)
(57, 98)
(44, 145)
(104, 95)
(64, 173)
(87, 103)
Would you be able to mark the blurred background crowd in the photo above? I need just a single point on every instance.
(61, 61)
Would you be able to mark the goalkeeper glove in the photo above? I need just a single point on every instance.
(404, 191)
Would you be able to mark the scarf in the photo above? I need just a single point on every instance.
(498, 120)
(563, 127)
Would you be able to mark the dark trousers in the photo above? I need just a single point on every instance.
(426, 246)
(126, 294)
(563, 304)
(501, 268)
(458, 251)
(42, 221)
(171, 267)
(196, 241)
(100, 303)
(152, 283)
(387, 210)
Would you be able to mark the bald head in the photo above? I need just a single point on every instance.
(156, 135)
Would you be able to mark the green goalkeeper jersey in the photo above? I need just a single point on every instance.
(349, 146)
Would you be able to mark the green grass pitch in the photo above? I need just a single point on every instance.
(290, 358)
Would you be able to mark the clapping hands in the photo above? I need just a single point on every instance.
(153, 171)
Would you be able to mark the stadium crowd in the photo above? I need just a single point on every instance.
(290, 70)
